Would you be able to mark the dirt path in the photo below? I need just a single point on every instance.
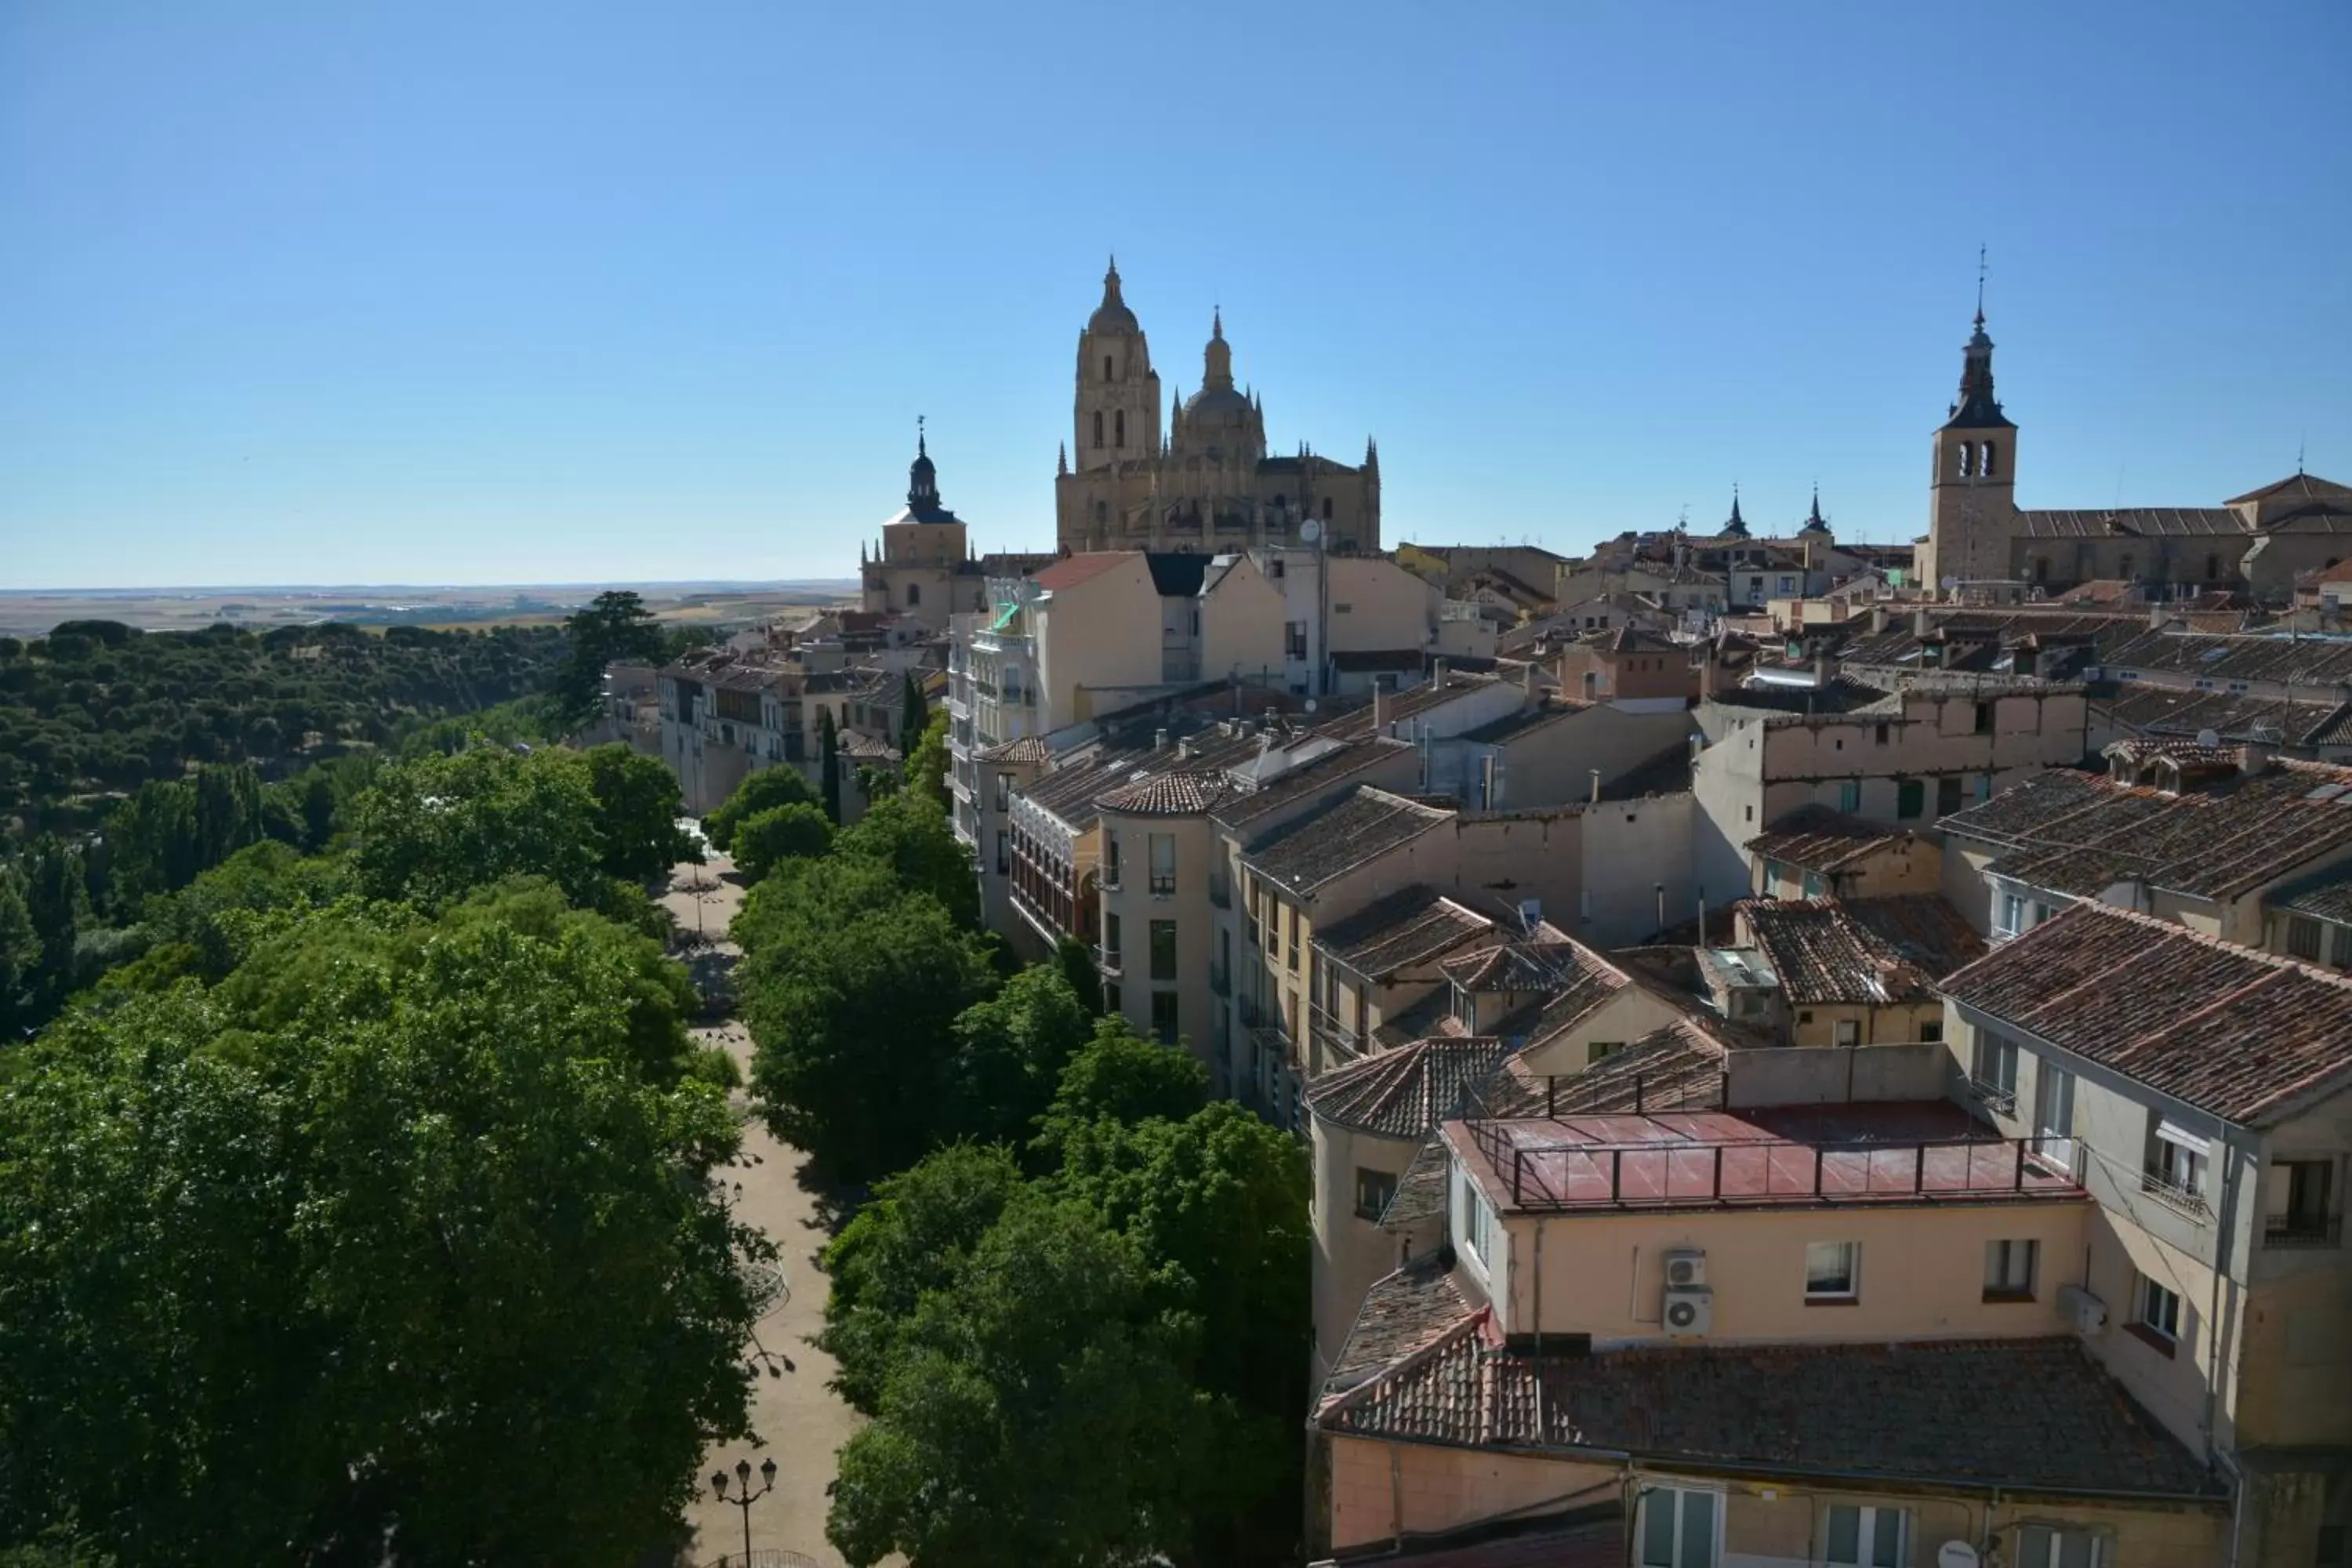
(800, 1421)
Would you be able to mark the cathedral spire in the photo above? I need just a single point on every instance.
(1814, 521)
(1737, 527)
(1977, 408)
(922, 476)
(1217, 359)
(1062, 457)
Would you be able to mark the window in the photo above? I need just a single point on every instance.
(1678, 1527)
(1848, 1031)
(1119, 427)
(1293, 913)
(1294, 640)
(1327, 509)
(2010, 1268)
(1343, 609)
(1163, 1017)
(1984, 786)
(1984, 718)
(1910, 798)
(2054, 1116)
(1163, 949)
(1864, 1537)
(2299, 1203)
(2339, 946)
(1947, 795)
(2041, 1546)
(1106, 367)
(2176, 1168)
(1967, 459)
(1881, 737)
(1931, 1032)
(1003, 855)
(2303, 937)
(1003, 792)
(1602, 1050)
(1788, 586)
(1111, 861)
(1110, 942)
(1830, 1272)
(1098, 440)
(2156, 1313)
(1162, 847)
(1374, 1191)
(1984, 461)
(1477, 1222)
(1850, 794)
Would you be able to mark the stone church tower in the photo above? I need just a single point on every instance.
(1208, 485)
(1972, 495)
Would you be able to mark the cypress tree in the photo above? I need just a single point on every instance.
(828, 754)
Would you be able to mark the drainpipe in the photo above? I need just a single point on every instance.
(2222, 1241)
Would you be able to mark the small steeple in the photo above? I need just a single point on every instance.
(922, 478)
(1217, 358)
(1372, 455)
(1737, 527)
(1062, 457)
(1977, 408)
(1814, 521)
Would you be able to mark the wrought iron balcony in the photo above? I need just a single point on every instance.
(2303, 1230)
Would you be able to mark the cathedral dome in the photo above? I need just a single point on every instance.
(1220, 405)
(1112, 315)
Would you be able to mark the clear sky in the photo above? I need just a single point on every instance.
(521, 290)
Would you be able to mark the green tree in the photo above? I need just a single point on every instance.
(435, 828)
(615, 624)
(828, 761)
(928, 761)
(1011, 1050)
(1119, 1076)
(20, 960)
(765, 840)
(56, 902)
(911, 713)
(912, 1238)
(762, 791)
(853, 1026)
(1076, 963)
(283, 1288)
(911, 836)
(206, 928)
(1033, 1414)
(637, 809)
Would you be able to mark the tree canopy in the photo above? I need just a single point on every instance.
(762, 791)
(615, 624)
(309, 1261)
(782, 833)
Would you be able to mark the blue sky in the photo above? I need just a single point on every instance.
(520, 292)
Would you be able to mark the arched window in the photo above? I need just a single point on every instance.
(1106, 367)
(1119, 421)
(1327, 509)
(1097, 427)
(914, 595)
(1984, 461)
(1967, 458)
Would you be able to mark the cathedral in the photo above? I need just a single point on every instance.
(1208, 483)
(2258, 543)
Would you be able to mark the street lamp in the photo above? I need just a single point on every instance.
(744, 1496)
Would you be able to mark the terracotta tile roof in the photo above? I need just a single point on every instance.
(853, 744)
(1072, 570)
(1860, 952)
(1185, 794)
(1352, 831)
(1576, 981)
(2080, 833)
(1021, 749)
(1405, 1092)
(2140, 522)
(2304, 486)
(1421, 1192)
(1410, 926)
(1403, 1312)
(1432, 1015)
(1816, 838)
(1677, 1067)
(1511, 726)
(2035, 1414)
(1357, 725)
(2234, 716)
(2326, 894)
(2246, 1035)
(1326, 774)
(2305, 661)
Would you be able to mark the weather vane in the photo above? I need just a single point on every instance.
(1981, 281)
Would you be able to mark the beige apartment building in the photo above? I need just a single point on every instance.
(1715, 1332)
(2204, 1093)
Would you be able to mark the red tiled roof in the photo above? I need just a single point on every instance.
(1405, 1092)
(1019, 749)
(1166, 795)
(2246, 1035)
(1861, 951)
(2036, 1415)
(1677, 1067)
(1407, 927)
(1816, 838)
(1072, 570)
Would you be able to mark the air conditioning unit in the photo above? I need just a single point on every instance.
(2083, 1311)
(1689, 1311)
(1686, 1268)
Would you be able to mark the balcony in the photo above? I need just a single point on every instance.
(1110, 961)
(2184, 1200)
(2288, 1231)
(2000, 1101)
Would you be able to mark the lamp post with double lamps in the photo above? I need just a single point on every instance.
(744, 1496)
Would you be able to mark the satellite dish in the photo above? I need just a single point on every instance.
(2208, 739)
(1955, 1554)
(1310, 705)
(1311, 530)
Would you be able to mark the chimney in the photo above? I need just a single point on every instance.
(1159, 740)
(1437, 673)
(1380, 708)
(1531, 679)
(2255, 757)
(1923, 621)
(1825, 671)
(1596, 784)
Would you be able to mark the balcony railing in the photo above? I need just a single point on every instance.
(2294, 1230)
(1993, 1097)
(2172, 1195)
(1676, 1175)
(1110, 961)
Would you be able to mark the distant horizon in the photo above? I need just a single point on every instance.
(208, 589)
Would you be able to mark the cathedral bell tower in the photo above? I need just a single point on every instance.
(1118, 396)
(1972, 495)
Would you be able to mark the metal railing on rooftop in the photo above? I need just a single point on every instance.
(2173, 1195)
(1760, 1172)
(2292, 1230)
